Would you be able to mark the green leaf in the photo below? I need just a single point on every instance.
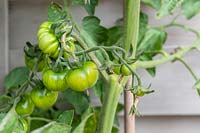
(143, 25)
(5, 103)
(66, 117)
(115, 33)
(89, 6)
(85, 117)
(167, 7)
(156, 4)
(99, 89)
(91, 25)
(16, 77)
(153, 40)
(114, 36)
(115, 130)
(54, 127)
(55, 13)
(93, 33)
(152, 71)
(9, 122)
(190, 8)
(78, 99)
(91, 124)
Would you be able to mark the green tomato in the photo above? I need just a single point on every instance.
(123, 69)
(54, 81)
(47, 41)
(25, 106)
(116, 69)
(91, 72)
(31, 61)
(83, 78)
(43, 98)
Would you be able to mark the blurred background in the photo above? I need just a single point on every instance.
(173, 108)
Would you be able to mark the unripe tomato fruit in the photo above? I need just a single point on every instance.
(48, 41)
(43, 98)
(25, 106)
(31, 61)
(83, 78)
(123, 69)
(54, 81)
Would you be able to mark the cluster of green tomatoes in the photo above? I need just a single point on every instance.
(78, 79)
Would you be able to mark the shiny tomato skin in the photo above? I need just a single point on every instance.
(25, 106)
(77, 80)
(54, 81)
(43, 98)
(92, 73)
(47, 41)
(125, 71)
(82, 78)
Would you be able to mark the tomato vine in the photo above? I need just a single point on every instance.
(70, 58)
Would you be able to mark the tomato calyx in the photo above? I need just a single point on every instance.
(141, 91)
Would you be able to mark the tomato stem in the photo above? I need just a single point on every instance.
(132, 17)
(187, 28)
(40, 119)
(189, 68)
(110, 103)
(91, 55)
(179, 54)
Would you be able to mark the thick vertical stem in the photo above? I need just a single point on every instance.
(110, 105)
(132, 13)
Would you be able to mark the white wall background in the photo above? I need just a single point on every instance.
(173, 108)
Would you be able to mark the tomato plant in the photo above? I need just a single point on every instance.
(79, 58)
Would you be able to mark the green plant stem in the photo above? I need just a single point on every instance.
(91, 55)
(132, 25)
(64, 46)
(189, 68)
(101, 47)
(39, 119)
(110, 103)
(179, 54)
(187, 28)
